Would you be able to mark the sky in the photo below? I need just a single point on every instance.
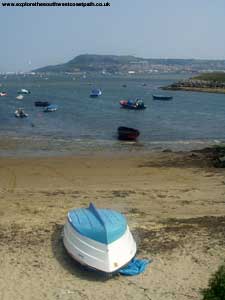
(33, 37)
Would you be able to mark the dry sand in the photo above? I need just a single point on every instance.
(174, 203)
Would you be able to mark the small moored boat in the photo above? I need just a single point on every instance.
(41, 103)
(162, 97)
(95, 93)
(127, 133)
(138, 104)
(19, 97)
(51, 107)
(20, 113)
(2, 94)
(23, 91)
(99, 238)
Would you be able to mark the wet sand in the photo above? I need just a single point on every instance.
(174, 203)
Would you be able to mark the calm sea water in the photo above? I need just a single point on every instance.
(82, 122)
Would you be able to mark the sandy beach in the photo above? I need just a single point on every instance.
(174, 203)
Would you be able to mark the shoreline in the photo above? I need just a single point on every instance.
(63, 147)
(191, 89)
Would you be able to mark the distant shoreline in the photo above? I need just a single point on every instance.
(193, 89)
(16, 147)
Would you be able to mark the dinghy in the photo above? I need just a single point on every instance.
(20, 113)
(41, 103)
(19, 97)
(127, 133)
(95, 93)
(162, 97)
(23, 92)
(51, 108)
(99, 238)
(129, 104)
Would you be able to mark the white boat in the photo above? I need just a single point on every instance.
(2, 94)
(19, 97)
(51, 108)
(95, 93)
(99, 238)
(20, 113)
(23, 91)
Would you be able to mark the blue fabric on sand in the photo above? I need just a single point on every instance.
(135, 267)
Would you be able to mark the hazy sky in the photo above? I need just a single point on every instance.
(35, 37)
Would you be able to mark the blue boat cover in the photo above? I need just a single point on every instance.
(135, 267)
(102, 225)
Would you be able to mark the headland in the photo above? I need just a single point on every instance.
(207, 82)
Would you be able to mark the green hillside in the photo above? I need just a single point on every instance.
(213, 76)
(90, 62)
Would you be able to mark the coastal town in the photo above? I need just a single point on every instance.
(127, 65)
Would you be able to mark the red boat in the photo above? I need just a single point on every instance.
(127, 134)
(129, 104)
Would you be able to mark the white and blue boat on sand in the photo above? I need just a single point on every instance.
(99, 238)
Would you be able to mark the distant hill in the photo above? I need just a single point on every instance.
(92, 63)
(116, 63)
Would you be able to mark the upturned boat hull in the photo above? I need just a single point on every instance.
(107, 258)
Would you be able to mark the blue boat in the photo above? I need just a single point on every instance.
(162, 97)
(41, 103)
(95, 93)
(51, 107)
(99, 238)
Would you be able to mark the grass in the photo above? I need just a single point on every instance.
(216, 287)
(213, 76)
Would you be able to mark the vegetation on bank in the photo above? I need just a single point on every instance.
(216, 287)
(195, 89)
(213, 82)
(212, 76)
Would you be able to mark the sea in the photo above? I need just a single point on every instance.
(83, 125)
